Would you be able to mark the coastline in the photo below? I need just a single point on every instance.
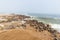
(15, 23)
(53, 25)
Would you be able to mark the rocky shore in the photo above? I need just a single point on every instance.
(15, 21)
(40, 27)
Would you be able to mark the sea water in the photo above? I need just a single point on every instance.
(53, 20)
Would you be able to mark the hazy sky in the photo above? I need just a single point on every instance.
(30, 6)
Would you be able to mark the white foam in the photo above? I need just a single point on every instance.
(56, 26)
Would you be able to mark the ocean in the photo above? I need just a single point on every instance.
(53, 20)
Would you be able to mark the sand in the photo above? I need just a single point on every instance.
(19, 34)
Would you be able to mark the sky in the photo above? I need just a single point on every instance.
(30, 6)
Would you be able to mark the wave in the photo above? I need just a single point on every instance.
(53, 21)
(55, 26)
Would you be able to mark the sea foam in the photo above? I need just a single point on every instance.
(56, 27)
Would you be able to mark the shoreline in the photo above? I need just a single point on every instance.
(53, 25)
(23, 22)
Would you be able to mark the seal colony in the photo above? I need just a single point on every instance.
(18, 27)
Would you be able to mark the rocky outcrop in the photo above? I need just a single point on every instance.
(19, 22)
(40, 26)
